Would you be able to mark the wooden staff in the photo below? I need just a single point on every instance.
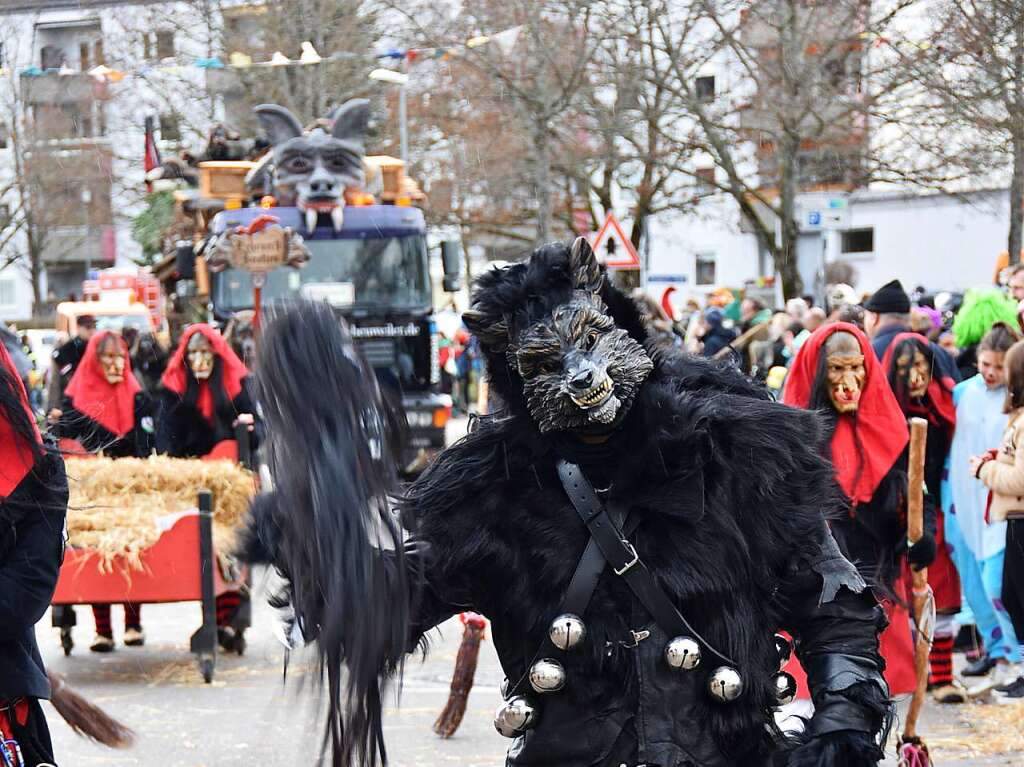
(913, 749)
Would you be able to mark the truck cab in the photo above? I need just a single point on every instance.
(375, 273)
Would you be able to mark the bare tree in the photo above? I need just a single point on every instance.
(538, 86)
(782, 97)
(975, 82)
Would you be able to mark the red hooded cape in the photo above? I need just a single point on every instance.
(879, 428)
(16, 459)
(233, 370)
(942, 412)
(112, 406)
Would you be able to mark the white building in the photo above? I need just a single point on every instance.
(84, 133)
(939, 241)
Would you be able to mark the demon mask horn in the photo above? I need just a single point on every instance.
(279, 124)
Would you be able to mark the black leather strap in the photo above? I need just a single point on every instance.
(622, 556)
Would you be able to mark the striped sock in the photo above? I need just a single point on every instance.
(940, 661)
(101, 614)
(227, 606)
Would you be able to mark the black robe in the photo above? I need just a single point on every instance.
(94, 437)
(728, 490)
(183, 431)
(31, 550)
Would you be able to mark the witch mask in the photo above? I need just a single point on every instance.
(914, 371)
(845, 371)
(199, 354)
(580, 371)
(112, 360)
(312, 169)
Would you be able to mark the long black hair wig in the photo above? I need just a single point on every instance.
(327, 525)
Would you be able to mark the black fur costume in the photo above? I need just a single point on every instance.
(728, 490)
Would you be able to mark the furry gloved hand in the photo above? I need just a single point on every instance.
(846, 748)
(922, 553)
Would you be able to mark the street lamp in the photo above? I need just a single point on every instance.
(86, 200)
(400, 79)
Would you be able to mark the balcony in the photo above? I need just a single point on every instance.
(53, 88)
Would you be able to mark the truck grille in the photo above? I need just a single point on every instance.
(379, 352)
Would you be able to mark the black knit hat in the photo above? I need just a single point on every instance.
(891, 298)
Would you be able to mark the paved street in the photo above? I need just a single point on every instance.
(249, 716)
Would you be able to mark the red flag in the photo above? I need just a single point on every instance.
(151, 158)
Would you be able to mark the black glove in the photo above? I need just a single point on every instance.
(922, 553)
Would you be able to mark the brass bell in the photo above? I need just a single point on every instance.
(683, 653)
(514, 717)
(785, 688)
(725, 684)
(567, 631)
(784, 648)
(547, 675)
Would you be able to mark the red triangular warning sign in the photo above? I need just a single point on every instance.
(613, 247)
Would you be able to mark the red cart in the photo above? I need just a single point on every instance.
(180, 567)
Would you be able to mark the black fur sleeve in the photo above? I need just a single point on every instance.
(835, 621)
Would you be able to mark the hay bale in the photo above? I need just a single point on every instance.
(115, 503)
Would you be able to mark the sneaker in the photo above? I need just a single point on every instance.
(102, 643)
(134, 636)
(1003, 675)
(1011, 693)
(980, 667)
(952, 692)
(226, 638)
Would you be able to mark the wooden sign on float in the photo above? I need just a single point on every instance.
(612, 246)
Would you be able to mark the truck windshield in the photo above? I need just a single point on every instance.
(389, 272)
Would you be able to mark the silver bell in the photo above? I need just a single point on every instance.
(567, 631)
(682, 652)
(784, 648)
(725, 684)
(514, 717)
(785, 688)
(547, 675)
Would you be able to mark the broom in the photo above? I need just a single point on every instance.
(86, 719)
(462, 679)
(912, 749)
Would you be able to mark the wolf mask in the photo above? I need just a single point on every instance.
(576, 369)
(313, 169)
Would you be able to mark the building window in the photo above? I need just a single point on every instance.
(856, 241)
(705, 269)
(705, 180)
(8, 294)
(165, 44)
(51, 57)
(705, 87)
(170, 127)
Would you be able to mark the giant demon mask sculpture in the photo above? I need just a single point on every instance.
(312, 169)
(580, 371)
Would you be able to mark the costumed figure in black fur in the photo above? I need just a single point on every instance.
(204, 398)
(106, 410)
(636, 525)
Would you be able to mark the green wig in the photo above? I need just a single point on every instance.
(982, 308)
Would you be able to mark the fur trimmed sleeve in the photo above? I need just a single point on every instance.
(835, 621)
